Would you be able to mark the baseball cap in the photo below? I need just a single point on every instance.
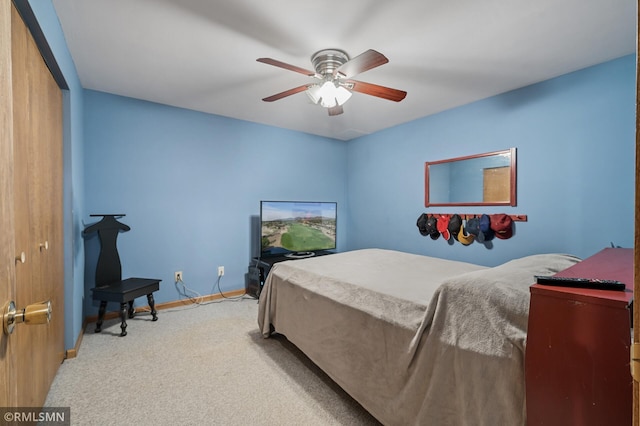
(432, 227)
(443, 226)
(502, 225)
(463, 236)
(485, 227)
(421, 223)
(454, 225)
(473, 228)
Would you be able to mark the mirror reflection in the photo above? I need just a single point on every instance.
(481, 179)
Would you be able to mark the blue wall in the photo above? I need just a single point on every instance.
(190, 185)
(575, 140)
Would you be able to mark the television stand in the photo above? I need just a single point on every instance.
(260, 267)
(300, 254)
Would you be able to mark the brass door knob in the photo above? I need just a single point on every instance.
(37, 313)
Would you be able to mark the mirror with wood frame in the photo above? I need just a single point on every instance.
(487, 179)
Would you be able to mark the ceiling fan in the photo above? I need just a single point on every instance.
(334, 69)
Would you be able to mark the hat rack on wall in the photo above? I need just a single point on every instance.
(467, 216)
(467, 227)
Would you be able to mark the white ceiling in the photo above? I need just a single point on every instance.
(201, 54)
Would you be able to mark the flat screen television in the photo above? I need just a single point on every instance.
(297, 228)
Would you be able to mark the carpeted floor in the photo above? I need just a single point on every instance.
(204, 364)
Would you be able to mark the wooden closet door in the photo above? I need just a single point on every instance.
(37, 180)
(8, 389)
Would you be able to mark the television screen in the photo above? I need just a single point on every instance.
(297, 227)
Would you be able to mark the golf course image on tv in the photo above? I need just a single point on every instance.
(297, 226)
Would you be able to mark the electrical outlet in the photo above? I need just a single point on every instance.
(177, 276)
(220, 271)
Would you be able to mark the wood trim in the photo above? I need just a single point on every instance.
(172, 304)
(636, 245)
(72, 353)
(29, 18)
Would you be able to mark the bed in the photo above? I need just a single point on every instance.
(414, 339)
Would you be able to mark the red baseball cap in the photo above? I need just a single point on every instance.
(443, 226)
(502, 225)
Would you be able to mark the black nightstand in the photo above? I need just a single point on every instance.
(260, 267)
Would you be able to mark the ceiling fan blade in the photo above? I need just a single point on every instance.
(336, 110)
(375, 90)
(286, 66)
(361, 63)
(286, 93)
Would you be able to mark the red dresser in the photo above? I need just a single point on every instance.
(578, 347)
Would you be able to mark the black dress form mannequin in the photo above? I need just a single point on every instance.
(109, 268)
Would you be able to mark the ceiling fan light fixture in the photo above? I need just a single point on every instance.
(328, 94)
(342, 95)
(334, 71)
(313, 92)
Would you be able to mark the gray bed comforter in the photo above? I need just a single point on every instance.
(416, 340)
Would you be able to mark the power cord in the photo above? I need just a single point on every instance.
(217, 284)
(197, 299)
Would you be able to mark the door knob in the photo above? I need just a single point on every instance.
(37, 313)
(21, 258)
(44, 246)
